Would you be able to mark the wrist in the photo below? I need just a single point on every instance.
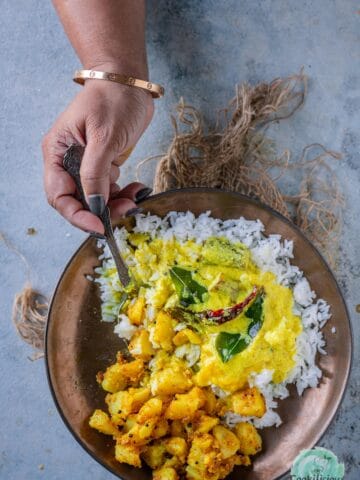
(115, 90)
(128, 67)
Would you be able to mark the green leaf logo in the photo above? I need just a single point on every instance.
(317, 463)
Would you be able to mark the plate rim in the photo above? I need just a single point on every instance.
(258, 204)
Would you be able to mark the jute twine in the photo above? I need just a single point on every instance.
(236, 155)
(30, 307)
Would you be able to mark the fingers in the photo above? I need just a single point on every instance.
(74, 212)
(132, 191)
(114, 173)
(124, 200)
(123, 157)
(60, 189)
(119, 207)
(95, 169)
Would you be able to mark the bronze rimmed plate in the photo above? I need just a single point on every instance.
(78, 344)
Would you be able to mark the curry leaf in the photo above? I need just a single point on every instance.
(229, 344)
(188, 290)
(256, 314)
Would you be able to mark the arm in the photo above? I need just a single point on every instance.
(106, 118)
(107, 34)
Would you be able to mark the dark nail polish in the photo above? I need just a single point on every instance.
(143, 193)
(97, 235)
(96, 204)
(133, 211)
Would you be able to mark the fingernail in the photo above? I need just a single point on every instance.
(133, 211)
(96, 204)
(142, 194)
(97, 235)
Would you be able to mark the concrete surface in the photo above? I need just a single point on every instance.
(198, 49)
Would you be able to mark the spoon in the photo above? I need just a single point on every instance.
(72, 163)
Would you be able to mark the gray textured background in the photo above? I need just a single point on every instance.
(199, 50)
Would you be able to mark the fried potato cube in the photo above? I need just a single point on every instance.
(177, 446)
(126, 402)
(120, 403)
(165, 473)
(133, 370)
(170, 381)
(127, 454)
(185, 336)
(249, 403)
(136, 311)
(173, 462)
(129, 423)
(117, 420)
(177, 429)
(140, 396)
(139, 434)
(101, 422)
(163, 331)
(242, 460)
(186, 405)
(161, 428)
(228, 441)
(152, 408)
(154, 455)
(206, 424)
(211, 402)
(140, 345)
(201, 447)
(113, 379)
(250, 440)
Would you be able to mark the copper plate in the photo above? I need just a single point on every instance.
(78, 345)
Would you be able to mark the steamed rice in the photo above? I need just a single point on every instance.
(269, 253)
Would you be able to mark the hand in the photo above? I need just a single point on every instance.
(107, 119)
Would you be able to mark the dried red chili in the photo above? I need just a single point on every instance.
(225, 314)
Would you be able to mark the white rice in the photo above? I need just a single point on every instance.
(270, 254)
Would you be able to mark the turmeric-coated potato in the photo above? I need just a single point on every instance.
(206, 423)
(114, 379)
(152, 408)
(186, 405)
(198, 458)
(127, 454)
(133, 370)
(161, 428)
(250, 440)
(126, 402)
(163, 331)
(177, 429)
(249, 403)
(228, 441)
(211, 402)
(154, 455)
(174, 379)
(140, 345)
(139, 434)
(165, 473)
(136, 311)
(177, 446)
(101, 421)
(129, 422)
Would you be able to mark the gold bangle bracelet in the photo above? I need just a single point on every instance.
(156, 90)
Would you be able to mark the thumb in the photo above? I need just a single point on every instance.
(95, 170)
